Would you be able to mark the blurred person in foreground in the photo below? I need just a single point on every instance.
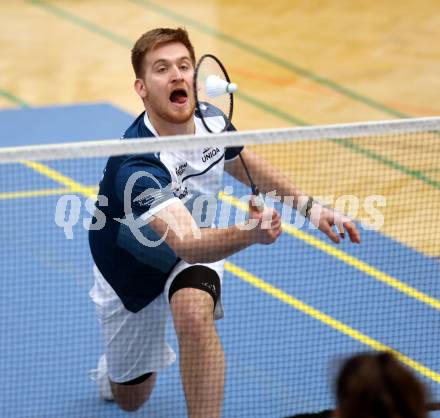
(376, 385)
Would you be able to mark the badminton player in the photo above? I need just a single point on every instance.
(137, 284)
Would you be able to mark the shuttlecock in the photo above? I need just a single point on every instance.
(215, 86)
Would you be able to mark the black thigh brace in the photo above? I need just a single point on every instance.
(197, 277)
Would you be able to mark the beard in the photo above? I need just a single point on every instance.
(182, 116)
(165, 110)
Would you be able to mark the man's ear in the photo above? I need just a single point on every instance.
(141, 88)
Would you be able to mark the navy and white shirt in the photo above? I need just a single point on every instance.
(139, 186)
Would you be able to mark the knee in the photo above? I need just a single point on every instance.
(130, 406)
(130, 402)
(131, 397)
(192, 314)
(193, 325)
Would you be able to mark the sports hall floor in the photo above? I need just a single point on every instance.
(292, 309)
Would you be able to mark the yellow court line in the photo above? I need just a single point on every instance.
(33, 193)
(348, 259)
(60, 178)
(262, 285)
(327, 319)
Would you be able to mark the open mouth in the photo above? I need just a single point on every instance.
(179, 96)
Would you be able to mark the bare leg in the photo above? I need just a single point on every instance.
(202, 363)
(132, 397)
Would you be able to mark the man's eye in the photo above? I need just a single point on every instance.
(161, 69)
(184, 67)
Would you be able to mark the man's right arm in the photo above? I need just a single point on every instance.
(205, 245)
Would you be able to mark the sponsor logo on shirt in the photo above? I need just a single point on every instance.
(181, 169)
(150, 196)
(209, 153)
(181, 193)
(144, 202)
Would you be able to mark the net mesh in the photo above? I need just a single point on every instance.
(293, 309)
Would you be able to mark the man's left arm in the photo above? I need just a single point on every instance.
(269, 179)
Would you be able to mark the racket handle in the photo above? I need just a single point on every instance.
(258, 202)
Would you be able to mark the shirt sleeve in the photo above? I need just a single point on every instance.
(143, 184)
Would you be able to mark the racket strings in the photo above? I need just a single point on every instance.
(213, 101)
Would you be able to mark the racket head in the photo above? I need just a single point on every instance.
(207, 65)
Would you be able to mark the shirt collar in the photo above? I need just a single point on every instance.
(200, 129)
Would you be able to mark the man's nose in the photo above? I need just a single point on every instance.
(176, 74)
